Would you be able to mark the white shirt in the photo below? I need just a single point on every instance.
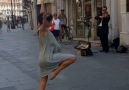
(100, 23)
(57, 24)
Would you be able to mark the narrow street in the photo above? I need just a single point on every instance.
(19, 66)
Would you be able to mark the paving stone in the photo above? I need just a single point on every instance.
(27, 86)
(121, 87)
(9, 84)
(8, 88)
(28, 81)
(3, 79)
(18, 77)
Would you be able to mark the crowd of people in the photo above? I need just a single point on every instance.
(51, 60)
(59, 22)
(19, 23)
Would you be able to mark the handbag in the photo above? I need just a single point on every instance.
(122, 49)
(51, 28)
(86, 51)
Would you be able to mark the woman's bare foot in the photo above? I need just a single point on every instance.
(53, 74)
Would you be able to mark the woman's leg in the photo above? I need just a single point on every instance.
(43, 83)
(63, 65)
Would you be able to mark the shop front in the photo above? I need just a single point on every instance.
(85, 12)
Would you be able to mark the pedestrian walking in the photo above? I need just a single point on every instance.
(23, 22)
(51, 60)
(8, 23)
(57, 26)
(16, 23)
(103, 30)
(20, 23)
(0, 24)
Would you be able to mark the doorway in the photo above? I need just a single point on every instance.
(85, 12)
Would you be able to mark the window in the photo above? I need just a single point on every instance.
(127, 5)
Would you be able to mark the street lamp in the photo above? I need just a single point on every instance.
(12, 24)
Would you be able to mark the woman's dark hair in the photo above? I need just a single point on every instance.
(40, 17)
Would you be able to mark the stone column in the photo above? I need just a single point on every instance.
(113, 24)
(35, 16)
(124, 34)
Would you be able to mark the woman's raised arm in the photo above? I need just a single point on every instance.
(42, 9)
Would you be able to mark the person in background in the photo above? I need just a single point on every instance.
(103, 30)
(63, 19)
(8, 24)
(23, 23)
(57, 26)
(51, 60)
(19, 22)
(0, 23)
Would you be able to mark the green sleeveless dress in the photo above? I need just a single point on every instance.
(50, 55)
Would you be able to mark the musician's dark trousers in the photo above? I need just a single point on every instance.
(103, 32)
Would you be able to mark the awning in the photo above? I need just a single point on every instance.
(45, 1)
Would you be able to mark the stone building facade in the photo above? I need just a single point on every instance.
(77, 11)
(124, 20)
(5, 7)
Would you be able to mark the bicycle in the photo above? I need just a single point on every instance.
(66, 37)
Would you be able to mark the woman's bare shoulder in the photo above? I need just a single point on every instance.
(43, 33)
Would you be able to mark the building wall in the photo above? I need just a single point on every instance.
(5, 7)
(117, 9)
(124, 34)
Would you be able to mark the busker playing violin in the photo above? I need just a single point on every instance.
(103, 30)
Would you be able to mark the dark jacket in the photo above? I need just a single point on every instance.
(104, 22)
(104, 30)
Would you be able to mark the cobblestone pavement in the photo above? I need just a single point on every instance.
(19, 66)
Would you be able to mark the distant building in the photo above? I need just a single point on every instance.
(5, 7)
